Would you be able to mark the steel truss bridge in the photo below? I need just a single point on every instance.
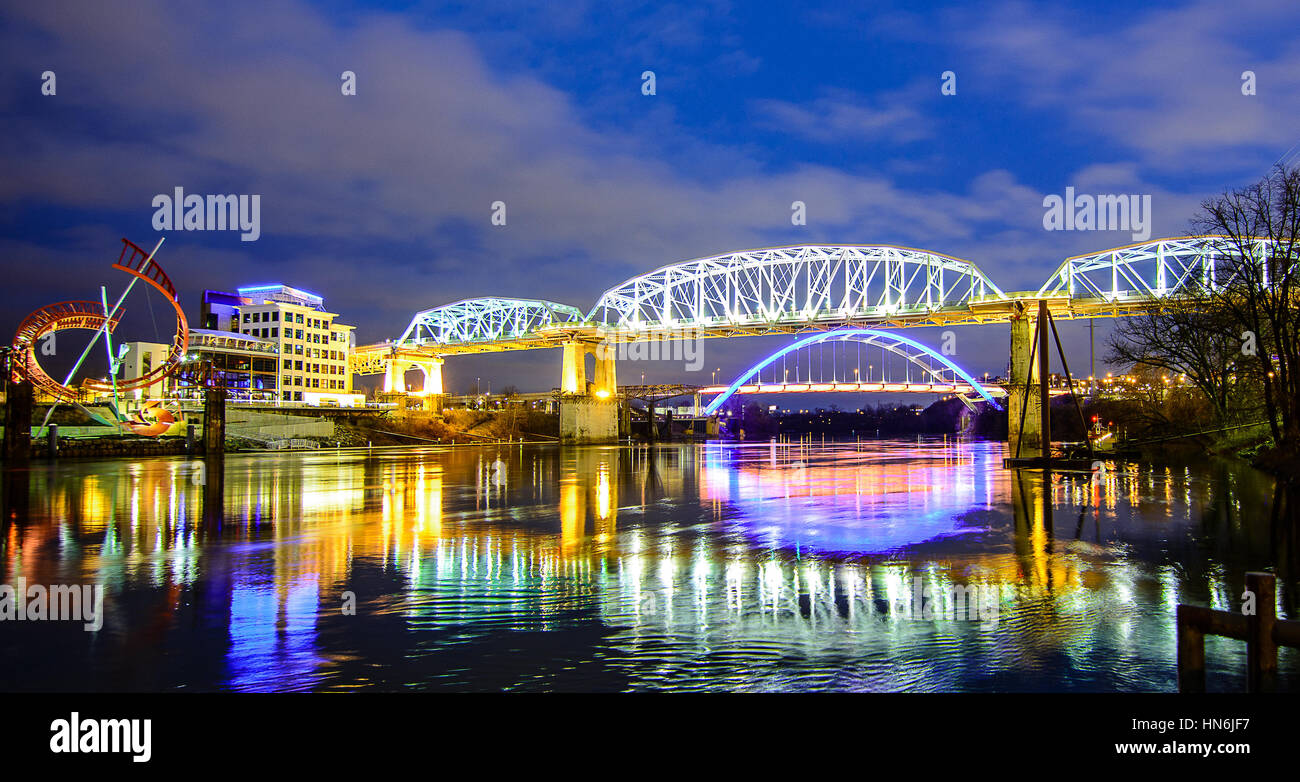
(809, 288)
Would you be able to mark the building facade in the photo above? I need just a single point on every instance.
(246, 366)
(265, 343)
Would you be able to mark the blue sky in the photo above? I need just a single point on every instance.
(381, 201)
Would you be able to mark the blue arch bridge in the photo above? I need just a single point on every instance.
(845, 302)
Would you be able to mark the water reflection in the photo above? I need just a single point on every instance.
(744, 567)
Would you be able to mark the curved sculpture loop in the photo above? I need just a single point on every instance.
(91, 315)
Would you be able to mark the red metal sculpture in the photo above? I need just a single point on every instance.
(92, 315)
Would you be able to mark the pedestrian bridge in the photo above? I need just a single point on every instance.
(808, 288)
(834, 290)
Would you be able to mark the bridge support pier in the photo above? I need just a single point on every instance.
(588, 412)
(573, 373)
(1023, 391)
(588, 419)
(394, 377)
(431, 396)
(432, 370)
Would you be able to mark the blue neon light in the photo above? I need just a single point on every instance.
(276, 288)
(743, 379)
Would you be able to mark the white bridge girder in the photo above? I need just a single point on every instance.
(809, 288)
(792, 285)
(485, 320)
(1151, 270)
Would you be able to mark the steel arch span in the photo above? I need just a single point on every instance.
(486, 320)
(801, 285)
(938, 366)
(1151, 270)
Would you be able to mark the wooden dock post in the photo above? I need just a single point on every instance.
(1191, 652)
(1261, 649)
(214, 421)
(18, 422)
(1262, 631)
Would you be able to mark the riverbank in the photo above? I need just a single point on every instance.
(415, 428)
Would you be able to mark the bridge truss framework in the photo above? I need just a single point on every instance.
(802, 289)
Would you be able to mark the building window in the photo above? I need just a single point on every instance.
(298, 318)
(275, 316)
(246, 317)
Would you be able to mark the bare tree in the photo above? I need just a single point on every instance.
(1184, 337)
(1257, 285)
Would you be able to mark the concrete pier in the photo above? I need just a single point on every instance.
(586, 419)
(588, 411)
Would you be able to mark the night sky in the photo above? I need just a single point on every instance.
(381, 201)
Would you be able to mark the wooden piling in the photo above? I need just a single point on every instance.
(214, 421)
(18, 423)
(1191, 652)
(1261, 649)
(1262, 631)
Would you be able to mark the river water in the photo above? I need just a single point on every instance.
(875, 566)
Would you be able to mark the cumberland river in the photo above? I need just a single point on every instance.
(752, 567)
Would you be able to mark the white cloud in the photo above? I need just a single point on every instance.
(838, 116)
